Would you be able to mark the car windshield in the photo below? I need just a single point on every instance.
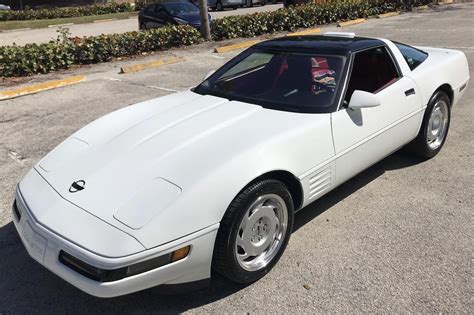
(290, 81)
(181, 8)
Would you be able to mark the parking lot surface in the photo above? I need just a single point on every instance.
(396, 238)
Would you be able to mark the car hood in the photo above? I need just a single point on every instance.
(192, 18)
(134, 163)
(123, 156)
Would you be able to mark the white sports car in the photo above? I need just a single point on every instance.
(167, 190)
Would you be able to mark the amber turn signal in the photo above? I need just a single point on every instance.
(180, 253)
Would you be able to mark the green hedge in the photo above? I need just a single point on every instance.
(60, 54)
(42, 14)
(302, 16)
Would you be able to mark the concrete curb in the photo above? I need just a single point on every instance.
(60, 25)
(351, 22)
(104, 20)
(241, 45)
(305, 32)
(151, 64)
(388, 14)
(39, 87)
(16, 30)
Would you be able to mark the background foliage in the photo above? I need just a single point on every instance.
(65, 51)
(97, 9)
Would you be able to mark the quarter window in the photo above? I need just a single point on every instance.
(372, 71)
(414, 57)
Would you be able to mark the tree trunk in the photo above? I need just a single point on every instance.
(205, 27)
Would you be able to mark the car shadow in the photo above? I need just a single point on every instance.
(26, 286)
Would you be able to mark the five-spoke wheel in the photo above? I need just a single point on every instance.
(434, 127)
(254, 231)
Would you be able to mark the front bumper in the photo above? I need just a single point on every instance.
(44, 246)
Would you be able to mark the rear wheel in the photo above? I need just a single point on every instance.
(263, 2)
(254, 232)
(219, 6)
(434, 128)
(249, 3)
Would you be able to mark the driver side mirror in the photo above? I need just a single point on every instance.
(362, 99)
(208, 74)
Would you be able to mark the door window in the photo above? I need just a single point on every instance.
(372, 71)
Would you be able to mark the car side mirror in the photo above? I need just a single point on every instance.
(208, 74)
(362, 99)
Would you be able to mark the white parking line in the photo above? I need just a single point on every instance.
(162, 88)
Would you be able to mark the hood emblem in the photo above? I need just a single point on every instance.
(77, 186)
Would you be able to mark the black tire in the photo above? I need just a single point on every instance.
(219, 6)
(249, 3)
(142, 26)
(225, 261)
(235, 8)
(264, 2)
(420, 145)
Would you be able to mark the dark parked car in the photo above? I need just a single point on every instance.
(171, 12)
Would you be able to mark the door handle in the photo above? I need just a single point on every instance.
(410, 92)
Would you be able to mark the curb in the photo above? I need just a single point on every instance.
(151, 64)
(40, 87)
(16, 30)
(104, 20)
(59, 25)
(245, 44)
(351, 22)
(388, 14)
(305, 32)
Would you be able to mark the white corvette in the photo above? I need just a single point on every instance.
(167, 190)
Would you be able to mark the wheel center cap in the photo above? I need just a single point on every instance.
(260, 230)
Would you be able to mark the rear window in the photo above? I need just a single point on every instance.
(414, 57)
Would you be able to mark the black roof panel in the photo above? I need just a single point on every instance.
(321, 44)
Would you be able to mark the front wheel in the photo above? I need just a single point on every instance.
(434, 128)
(254, 232)
(219, 6)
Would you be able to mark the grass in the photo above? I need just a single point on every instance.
(11, 25)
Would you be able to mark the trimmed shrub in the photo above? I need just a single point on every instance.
(64, 52)
(301, 16)
(42, 14)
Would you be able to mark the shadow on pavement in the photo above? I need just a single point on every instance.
(26, 286)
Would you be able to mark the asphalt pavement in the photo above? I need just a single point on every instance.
(397, 238)
(43, 35)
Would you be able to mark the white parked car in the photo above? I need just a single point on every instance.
(4, 7)
(167, 190)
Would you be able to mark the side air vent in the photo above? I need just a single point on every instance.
(319, 182)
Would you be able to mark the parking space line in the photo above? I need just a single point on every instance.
(39, 87)
(161, 88)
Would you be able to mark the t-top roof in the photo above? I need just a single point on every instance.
(321, 43)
